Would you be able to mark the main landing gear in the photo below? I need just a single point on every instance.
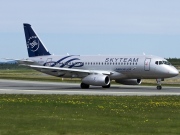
(86, 86)
(159, 87)
(107, 86)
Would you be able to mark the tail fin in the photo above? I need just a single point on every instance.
(34, 45)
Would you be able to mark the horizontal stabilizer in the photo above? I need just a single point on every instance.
(22, 61)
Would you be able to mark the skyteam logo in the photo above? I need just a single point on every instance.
(67, 62)
(33, 43)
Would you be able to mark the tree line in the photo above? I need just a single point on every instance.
(174, 61)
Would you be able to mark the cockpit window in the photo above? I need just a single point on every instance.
(166, 63)
(160, 62)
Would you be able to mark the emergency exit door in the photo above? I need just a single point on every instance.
(147, 64)
(49, 62)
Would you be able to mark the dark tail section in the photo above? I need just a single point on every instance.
(34, 45)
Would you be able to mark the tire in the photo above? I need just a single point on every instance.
(107, 86)
(84, 86)
(159, 87)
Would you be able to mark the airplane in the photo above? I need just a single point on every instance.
(97, 70)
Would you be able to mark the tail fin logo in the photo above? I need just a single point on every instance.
(33, 43)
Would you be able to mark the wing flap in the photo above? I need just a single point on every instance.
(58, 69)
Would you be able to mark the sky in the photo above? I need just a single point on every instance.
(92, 27)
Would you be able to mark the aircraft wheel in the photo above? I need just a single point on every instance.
(84, 86)
(108, 86)
(159, 87)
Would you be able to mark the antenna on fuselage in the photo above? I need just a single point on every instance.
(144, 53)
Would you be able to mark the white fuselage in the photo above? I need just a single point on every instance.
(121, 67)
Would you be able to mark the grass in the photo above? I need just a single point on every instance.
(89, 115)
(85, 115)
(32, 75)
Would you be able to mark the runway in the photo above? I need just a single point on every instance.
(34, 87)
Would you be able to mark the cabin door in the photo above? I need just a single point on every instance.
(147, 64)
(49, 62)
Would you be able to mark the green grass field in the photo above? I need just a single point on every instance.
(31, 75)
(89, 115)
(86, 115)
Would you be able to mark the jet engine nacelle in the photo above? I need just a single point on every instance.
(129, 81)
(97, 80)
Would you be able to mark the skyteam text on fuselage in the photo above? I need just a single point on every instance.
(96, 70)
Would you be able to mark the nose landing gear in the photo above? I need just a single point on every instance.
(159, 87)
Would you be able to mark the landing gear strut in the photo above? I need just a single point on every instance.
(159, 87)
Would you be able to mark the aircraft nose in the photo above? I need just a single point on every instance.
(174, 72)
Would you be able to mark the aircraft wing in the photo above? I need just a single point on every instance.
(68, 70)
